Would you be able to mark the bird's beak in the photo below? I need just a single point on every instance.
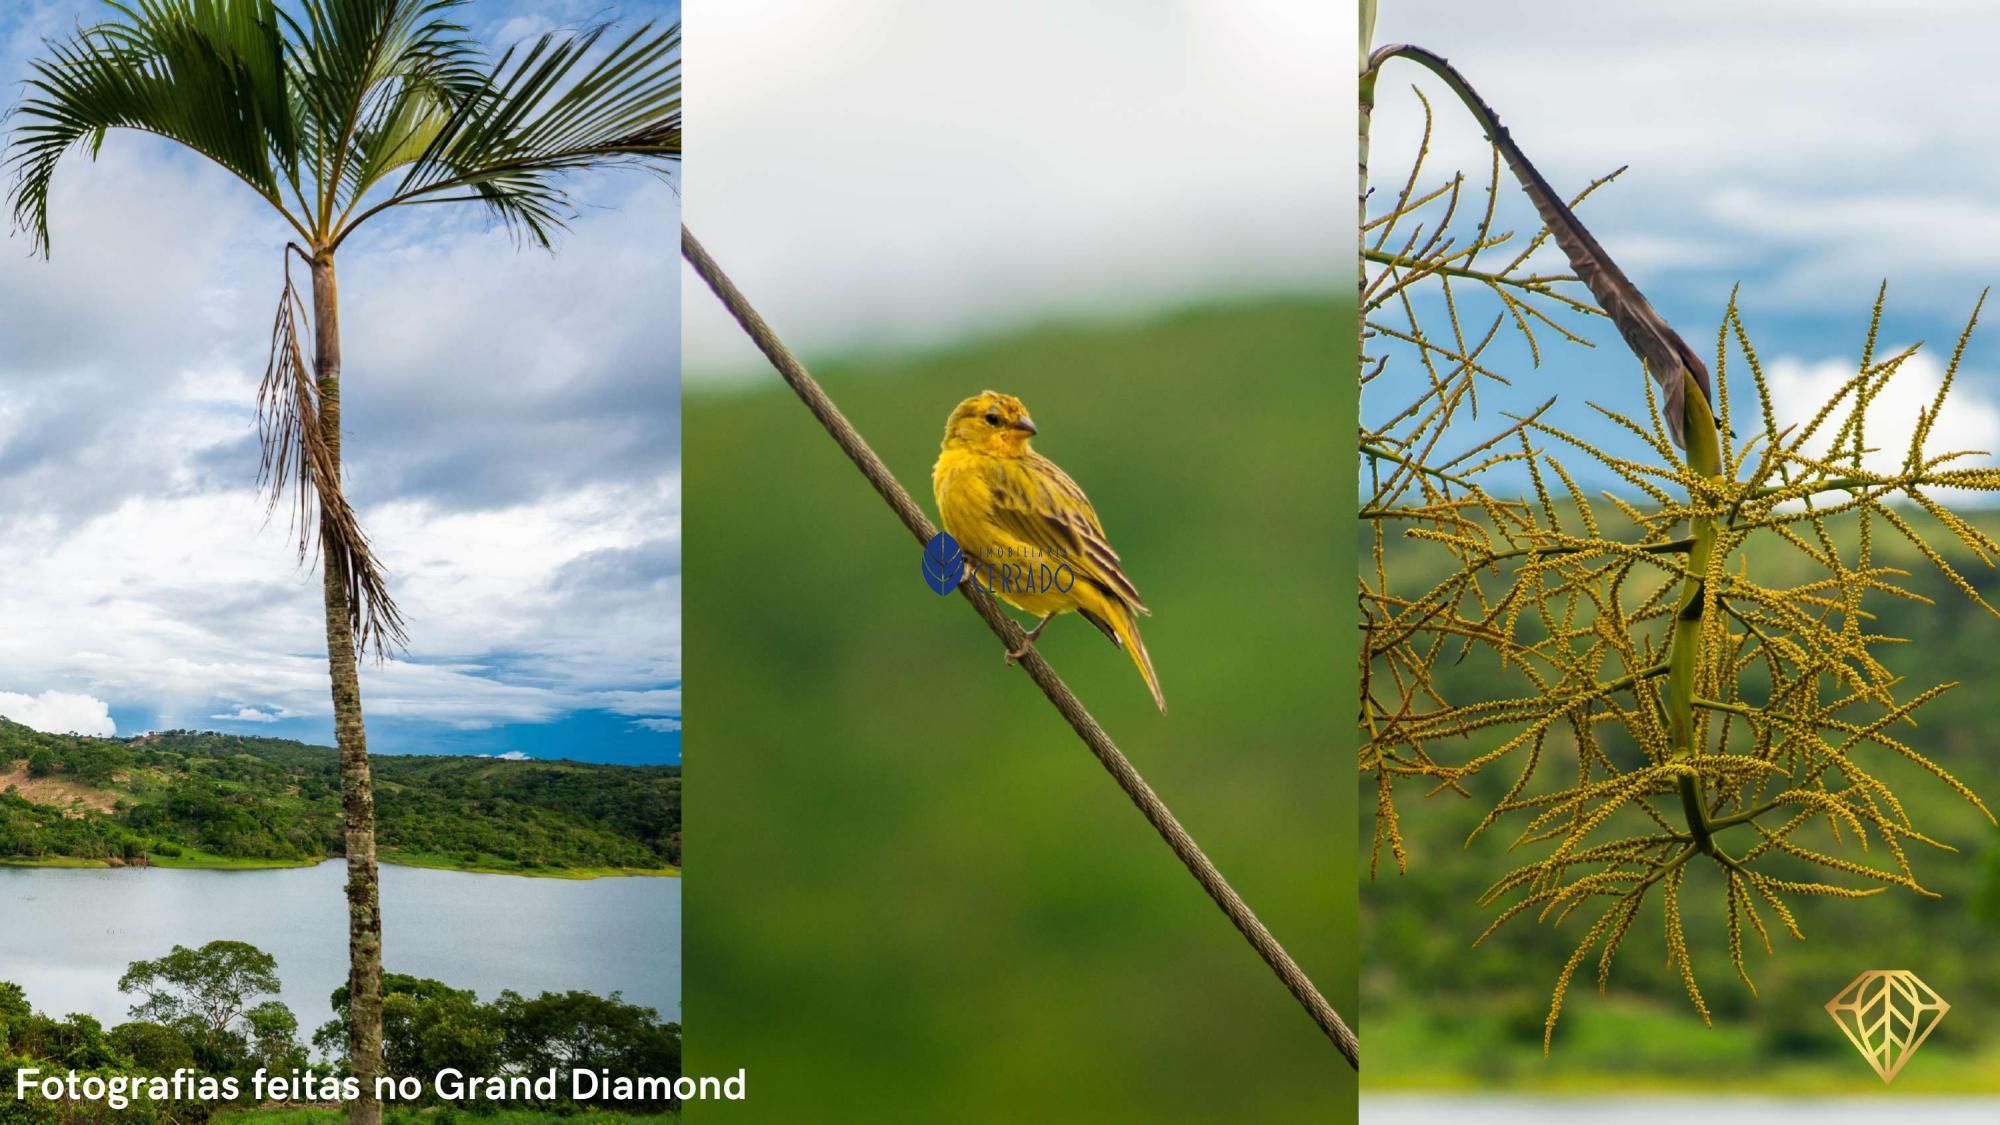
(1028, 424)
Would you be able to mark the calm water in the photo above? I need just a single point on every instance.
(1872, 1110)
(67, 935)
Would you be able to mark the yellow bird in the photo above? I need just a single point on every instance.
(1028, 531)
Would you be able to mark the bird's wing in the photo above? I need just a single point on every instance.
(1038, 503)
(1667, 357)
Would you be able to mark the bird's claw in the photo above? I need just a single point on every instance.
(1028, 640)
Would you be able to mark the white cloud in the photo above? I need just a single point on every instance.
(661, 725)
(59, 712)
(509, 756)
(130, 605)
(1970, 421)
(1781, 149)
(253, 715)
(662, 701)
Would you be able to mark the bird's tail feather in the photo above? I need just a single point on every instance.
(1118, 623)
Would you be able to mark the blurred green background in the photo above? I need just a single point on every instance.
(912, 894)
(1444, 1016)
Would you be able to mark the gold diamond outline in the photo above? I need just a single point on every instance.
(1897, 977)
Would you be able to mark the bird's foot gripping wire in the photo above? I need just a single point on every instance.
(1028, 642)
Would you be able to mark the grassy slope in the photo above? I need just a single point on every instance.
(974, 918)
(551, 819)
(1440, 1016)
(437, 862)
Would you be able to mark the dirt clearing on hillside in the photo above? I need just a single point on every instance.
(56, 792)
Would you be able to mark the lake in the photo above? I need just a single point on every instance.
(1422, 1109)
(66, 934)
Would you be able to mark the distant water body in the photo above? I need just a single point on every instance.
(67, 934)
(1667, 1110)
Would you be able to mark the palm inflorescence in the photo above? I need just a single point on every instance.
(1672, 706)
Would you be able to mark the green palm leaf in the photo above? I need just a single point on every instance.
(208, 75)
(558, 105)
(352, 107)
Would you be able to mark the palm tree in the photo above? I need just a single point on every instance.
(335, 112)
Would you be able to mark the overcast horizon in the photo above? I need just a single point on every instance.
(512, 444)
(1151, 156)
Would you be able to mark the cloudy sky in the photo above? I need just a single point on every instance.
(880, 174)
(512, 438)
(1805, 148)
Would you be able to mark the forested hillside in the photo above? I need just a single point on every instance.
(188, 798)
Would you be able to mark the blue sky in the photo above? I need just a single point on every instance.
(512, 435)
(1808, 151)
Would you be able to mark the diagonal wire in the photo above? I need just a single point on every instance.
(1156, 812)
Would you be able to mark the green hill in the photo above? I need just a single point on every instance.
(198, 799)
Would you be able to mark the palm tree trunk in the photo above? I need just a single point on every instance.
(357, 789)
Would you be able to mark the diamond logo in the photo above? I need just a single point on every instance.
(1887, 1014)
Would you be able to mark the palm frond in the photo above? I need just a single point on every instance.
(209, 74)
(298, 462)
(558, 105)
(372, 76)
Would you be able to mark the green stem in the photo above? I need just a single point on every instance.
(1631, 678)
(1536, 283)
(1735, 819)
(1832, 484)
(1370, 449)
(1669, 547)
(1704, 454)
(1853, 484)
(1367, 110)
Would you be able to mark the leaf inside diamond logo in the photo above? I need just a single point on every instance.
(1887, 1014)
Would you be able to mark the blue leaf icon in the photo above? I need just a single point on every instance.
(944, 563)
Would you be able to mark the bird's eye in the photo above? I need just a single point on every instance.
(992, 419)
